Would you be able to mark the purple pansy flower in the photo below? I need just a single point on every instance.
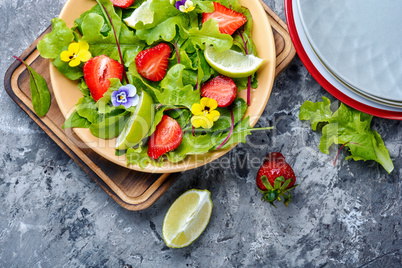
(185, 5)
(126, 96)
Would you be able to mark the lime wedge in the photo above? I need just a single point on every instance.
(139, 123)
(232, 63)
(187, 218)
(142, 14)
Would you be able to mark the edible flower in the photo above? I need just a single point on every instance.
(76, 53)
(185, 6)
(126, 96)
(204, 113)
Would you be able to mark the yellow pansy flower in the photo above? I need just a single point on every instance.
(76, 53)
(204, 113)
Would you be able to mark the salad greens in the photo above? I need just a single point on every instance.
(40, 93)
(155, 21)
(348, 127)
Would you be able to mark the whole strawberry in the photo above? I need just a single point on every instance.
(275, 179)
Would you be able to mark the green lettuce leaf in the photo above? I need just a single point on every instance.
(191, 145)
(165, 30)
(174, 91)
(86, 108)
(348, 127)
(209, 34)
(139, 156)
(54, 42)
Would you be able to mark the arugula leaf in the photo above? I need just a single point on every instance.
(54, 42)
(349, 127)
(139, 156)
(75, 120)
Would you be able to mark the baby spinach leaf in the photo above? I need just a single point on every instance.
(72, 73)
(54, 42)
(348, 127)
(40, 93)
(75, 120)
(111, 125)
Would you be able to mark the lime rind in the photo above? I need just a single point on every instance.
(142, 14)
(232, 63)
(192, 226)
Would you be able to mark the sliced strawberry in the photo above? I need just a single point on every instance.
(152, 63)
(123, 3)
(228, 20)
(98, 71)
(222, 89)
(167, 137)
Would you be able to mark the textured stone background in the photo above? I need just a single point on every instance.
(53, 215)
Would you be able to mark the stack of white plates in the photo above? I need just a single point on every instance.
(353, 48)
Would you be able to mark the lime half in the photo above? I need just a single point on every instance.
(139, 123)
(142, 14)
(232, 63)
(187, 218)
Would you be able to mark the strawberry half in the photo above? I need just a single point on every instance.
(152, 63)
(167, 137)
(221, 88)
(275, 178)
(228, 20)
(122, 3)
(98, 71)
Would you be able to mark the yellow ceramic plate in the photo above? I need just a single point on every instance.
(67, 92)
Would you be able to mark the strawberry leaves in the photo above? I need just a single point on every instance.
(277, 192)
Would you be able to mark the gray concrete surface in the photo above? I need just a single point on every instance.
(53, 215)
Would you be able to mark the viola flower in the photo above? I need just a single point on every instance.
(126, 96)
(204, 113)
(185, 6)
(76, 53)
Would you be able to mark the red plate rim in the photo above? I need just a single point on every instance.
(322, 81)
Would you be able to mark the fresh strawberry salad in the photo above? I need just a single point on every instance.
(161, 76)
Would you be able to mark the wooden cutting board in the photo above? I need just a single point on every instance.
(133, 190)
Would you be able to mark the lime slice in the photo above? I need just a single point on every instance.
(142, 14)
(139, 123)
(187, 218)
(232, 63)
